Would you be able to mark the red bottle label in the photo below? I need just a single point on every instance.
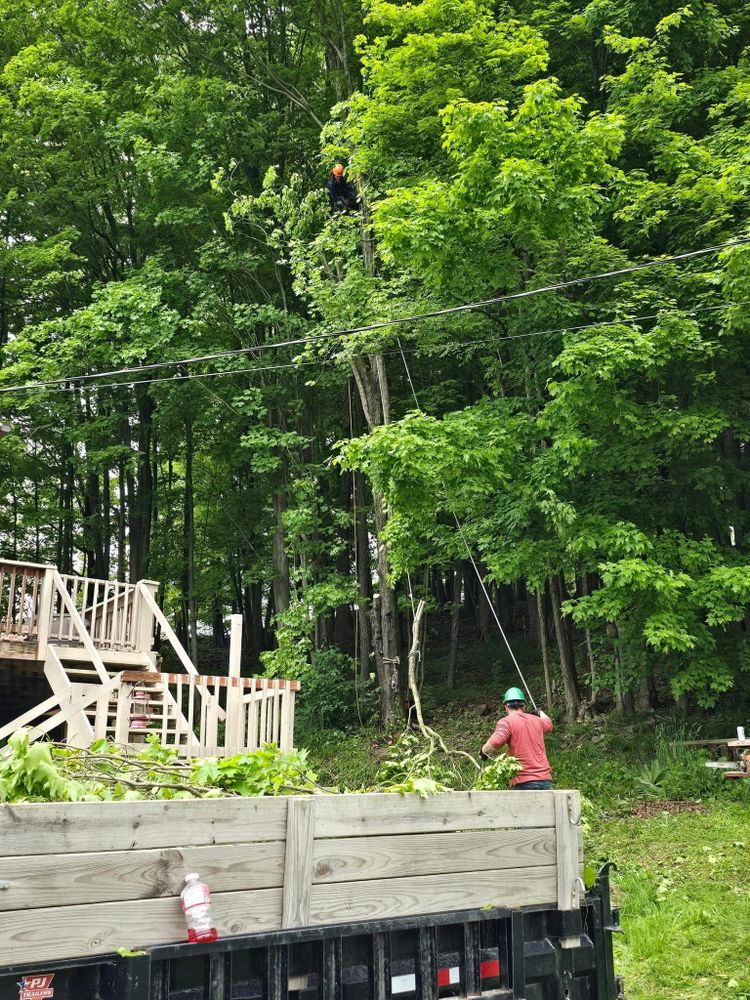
(195, 895)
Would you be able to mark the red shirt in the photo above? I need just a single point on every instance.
(524, 735)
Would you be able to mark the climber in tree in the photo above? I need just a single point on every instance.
(341, 194)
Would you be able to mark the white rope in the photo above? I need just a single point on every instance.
(492, 609)
(473, 563)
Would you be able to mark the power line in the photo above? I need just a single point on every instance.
(384, 324)
(71, 384)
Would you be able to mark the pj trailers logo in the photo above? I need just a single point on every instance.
(36, 988)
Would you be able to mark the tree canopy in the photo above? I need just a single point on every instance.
(213, 415)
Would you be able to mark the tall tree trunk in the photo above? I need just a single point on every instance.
(623, 696)
(256, 608)
(455, 622)
(65, 559)
(586, 591)
(106, 522)
(364, 575)
(188, 534)
(483, 611)
(372, 384)
(122, 504)
(388, 673)
(542, 630)
(281, 589)
(142, 500)
(567, 661)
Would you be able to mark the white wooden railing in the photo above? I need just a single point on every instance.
(107, 607)
(186, 712)
(65, 620)
(34, 608)
(21, 585)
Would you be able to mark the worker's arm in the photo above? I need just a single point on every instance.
(546, 722)
(498, 739)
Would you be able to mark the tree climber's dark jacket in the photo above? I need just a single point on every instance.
(341, 193)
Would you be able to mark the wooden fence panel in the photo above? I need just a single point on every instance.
(380, 899)
(66, 931)
(107, 876)
(66, 828)
(362, 858)
(373, 814)
(85, 878)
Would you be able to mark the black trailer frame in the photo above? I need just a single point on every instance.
(526, 954)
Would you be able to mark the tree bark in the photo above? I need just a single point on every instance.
(623, 696)
(281, 589)
(188, 580)
(542, 629)
(364, 576)
(374, 396)
(586, 591)
(142, 499)
(567, 661)
(455, 622)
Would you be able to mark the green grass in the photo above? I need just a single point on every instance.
(683, 881)
(684, 888)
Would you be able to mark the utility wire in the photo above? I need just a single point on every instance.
(398, 321)
(71, 384)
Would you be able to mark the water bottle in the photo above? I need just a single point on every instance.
(196, 905)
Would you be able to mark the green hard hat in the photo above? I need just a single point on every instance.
(513, 694)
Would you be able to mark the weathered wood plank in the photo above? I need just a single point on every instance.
(48, 879)
(72, 931)
(376, 814)
(299, 863)
(341, 902)
(567, 828)
(359, 858)
(76, 827)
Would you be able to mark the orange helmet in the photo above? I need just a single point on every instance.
(338, 170)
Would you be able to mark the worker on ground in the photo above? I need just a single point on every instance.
(341, 194)
(523, 732)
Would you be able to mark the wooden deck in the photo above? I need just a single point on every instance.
(92, 643)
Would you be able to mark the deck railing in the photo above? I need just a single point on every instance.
(33, 609)
(107, 607)
(20, 590)
(64, 620)
(205, 716)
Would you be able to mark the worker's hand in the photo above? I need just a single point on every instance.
(534, 711)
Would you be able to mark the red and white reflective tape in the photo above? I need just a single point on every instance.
(445, 977)
(407, 983)
(448, 977)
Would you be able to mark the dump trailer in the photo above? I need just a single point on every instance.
(333, 897)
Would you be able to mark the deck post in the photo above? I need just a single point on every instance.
(143, 632)
(286, 734)
(233, 738)
(44, 612)
(78, 730)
